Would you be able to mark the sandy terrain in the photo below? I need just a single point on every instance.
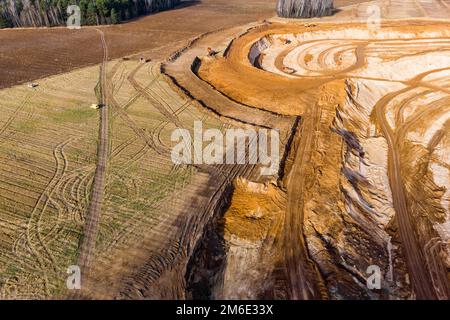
(309, 72)
(363, 117)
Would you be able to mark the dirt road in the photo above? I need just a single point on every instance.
(93, 214)
(414, 256)
(420, 271)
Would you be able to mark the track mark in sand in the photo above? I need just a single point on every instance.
(414, 255)
(92, 218)
(444, 4)
(298, 265)
(421, 8)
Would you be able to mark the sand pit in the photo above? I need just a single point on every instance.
(382, 96)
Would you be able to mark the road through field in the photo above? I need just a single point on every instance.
(420, 277)
(92, 217)
(298, 62)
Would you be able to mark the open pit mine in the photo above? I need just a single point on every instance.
(357, 208)
(365, 178)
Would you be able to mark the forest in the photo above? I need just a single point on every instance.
(48, 13)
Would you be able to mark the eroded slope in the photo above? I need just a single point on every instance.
(367, 176)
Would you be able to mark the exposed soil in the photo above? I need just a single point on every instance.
(363, 117)
(313, 72)
(93, 213)
(27, 54)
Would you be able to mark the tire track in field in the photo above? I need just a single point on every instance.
(97, 193)
(13, 116)
(33, 232)
(145, 92)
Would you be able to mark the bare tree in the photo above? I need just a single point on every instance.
(304, 8)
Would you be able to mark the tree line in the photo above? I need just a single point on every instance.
(48, 13)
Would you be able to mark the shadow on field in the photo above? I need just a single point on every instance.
(186, 4)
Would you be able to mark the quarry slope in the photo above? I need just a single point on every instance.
(366, 178)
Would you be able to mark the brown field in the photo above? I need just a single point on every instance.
(29, 54)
